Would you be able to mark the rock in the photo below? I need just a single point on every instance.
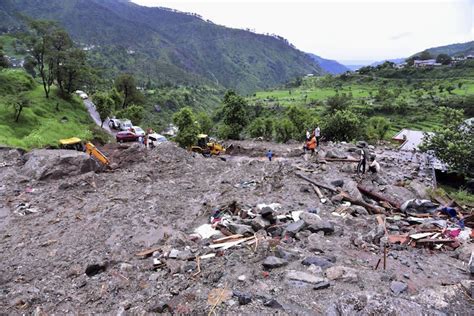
(323, 167)
(294, 227)
(322, 226)
(338, 183)
(342, 273)
(267, 212)
(242, 278)
(317, 261)
(259, 223)
(304, 277)
(286, 254)
(471, 263)
(419, 189)
(244, 298)
(305, 188)
(54, 164)
(359, 210)
(398, 194)
(125, 266)
(273, 303)
(321, 285)
(95, 268)
(173, 253)
(350, 186)
(240, 229)
(335, 153)
(310, 218)
(272, 262)
(468, 286)
(362, 144)
(158, 307)
(398, 287)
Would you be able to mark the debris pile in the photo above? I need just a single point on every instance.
(168, 231)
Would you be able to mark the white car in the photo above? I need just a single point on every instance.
(125, 125)
(137, 130)
(79, 92)
(83, 96)
(155, 139)
(114, 123)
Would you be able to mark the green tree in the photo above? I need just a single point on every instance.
(29, 66)
(116, 97)
(18, 105)
(450, 89)
(39, 42)
(284, 130)
(235, 114)
(74, 70)
(268, 127)
(377, 128)
(453, 143)
(338, 102)
(425, 55)
(127, 85)
(342, 126)
(104, 105)
(4, 63)
(134, 113)
(256, 128)
(443, 59)
(205, 122)
(188, 128)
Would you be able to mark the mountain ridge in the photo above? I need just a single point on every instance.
(169, 46)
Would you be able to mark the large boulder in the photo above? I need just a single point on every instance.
(336, 153)
(54, 164)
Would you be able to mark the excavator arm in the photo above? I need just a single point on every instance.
(97, 154)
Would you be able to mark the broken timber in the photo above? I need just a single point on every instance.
(321, 185)
(342, 159)
(378, 196)
(371, 208)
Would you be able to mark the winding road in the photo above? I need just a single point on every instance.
(96, 117)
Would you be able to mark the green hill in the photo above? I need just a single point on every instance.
(463, 49)
(167, 46)
(43, 121)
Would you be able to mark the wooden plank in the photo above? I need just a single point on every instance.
(147, 252)
(227, 238)
(227, 245)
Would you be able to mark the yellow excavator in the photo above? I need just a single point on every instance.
(206, 147)
(76, 143)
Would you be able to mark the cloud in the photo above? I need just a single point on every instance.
(400, 36)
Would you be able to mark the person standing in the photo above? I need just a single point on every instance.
(308, 135)
(312, 144)
(364, 155)
(269, 155)
(374, 166)
(317, 134)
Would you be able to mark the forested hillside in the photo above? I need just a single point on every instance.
(163, 46)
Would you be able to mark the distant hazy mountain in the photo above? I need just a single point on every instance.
(167, 46)
(453, 49)
(328, 65)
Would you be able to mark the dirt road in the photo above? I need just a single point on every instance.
(96, 117)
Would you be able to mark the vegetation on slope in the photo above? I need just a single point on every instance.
(42, 121)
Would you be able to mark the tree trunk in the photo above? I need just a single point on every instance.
(18, 114)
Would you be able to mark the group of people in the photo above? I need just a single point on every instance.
(365, 156)
(312, 140)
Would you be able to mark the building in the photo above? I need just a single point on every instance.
(425, 63)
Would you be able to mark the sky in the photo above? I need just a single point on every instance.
(349, 31)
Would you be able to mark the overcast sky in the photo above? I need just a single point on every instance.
(345, 30)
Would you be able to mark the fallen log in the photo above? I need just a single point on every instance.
(321, 185)
(317, 191)
(371, 208)
(378, 197)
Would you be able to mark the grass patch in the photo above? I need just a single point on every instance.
(44, 121)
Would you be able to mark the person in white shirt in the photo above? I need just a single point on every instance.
(317, 134)
(374, 166)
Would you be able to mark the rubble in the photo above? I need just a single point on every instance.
(171, 232)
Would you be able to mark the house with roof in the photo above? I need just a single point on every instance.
(425, 63)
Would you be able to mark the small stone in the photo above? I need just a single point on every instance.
(267, 212)
(125, 266)
(242, 278)
(342, 273)
(406, 276)
(272, 262)
(398, 287)
(323, 225)
(240, 229)
(294, 227)
(231, 302)
(286, 254)
(338, 183)
(173, 253)
(244, 298)
(158, 307)
(317, 261)
(321, 285)
(304, 277)
(273, 303)
(259, 223)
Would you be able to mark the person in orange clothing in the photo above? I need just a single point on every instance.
(311, 145)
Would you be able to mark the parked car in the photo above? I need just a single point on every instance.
(79, 92)
(126, 136)
(155, 139)
(114, 123)
(138, 131)
(125, 125)
(83, 96)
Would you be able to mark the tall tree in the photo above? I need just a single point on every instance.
(127, 85)
(4, 63)
(235, 114)
(104, 105)
(188, 128)
(40, 43)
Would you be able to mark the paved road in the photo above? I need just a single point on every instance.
(96, 117)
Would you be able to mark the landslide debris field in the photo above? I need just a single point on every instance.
(78, 240)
